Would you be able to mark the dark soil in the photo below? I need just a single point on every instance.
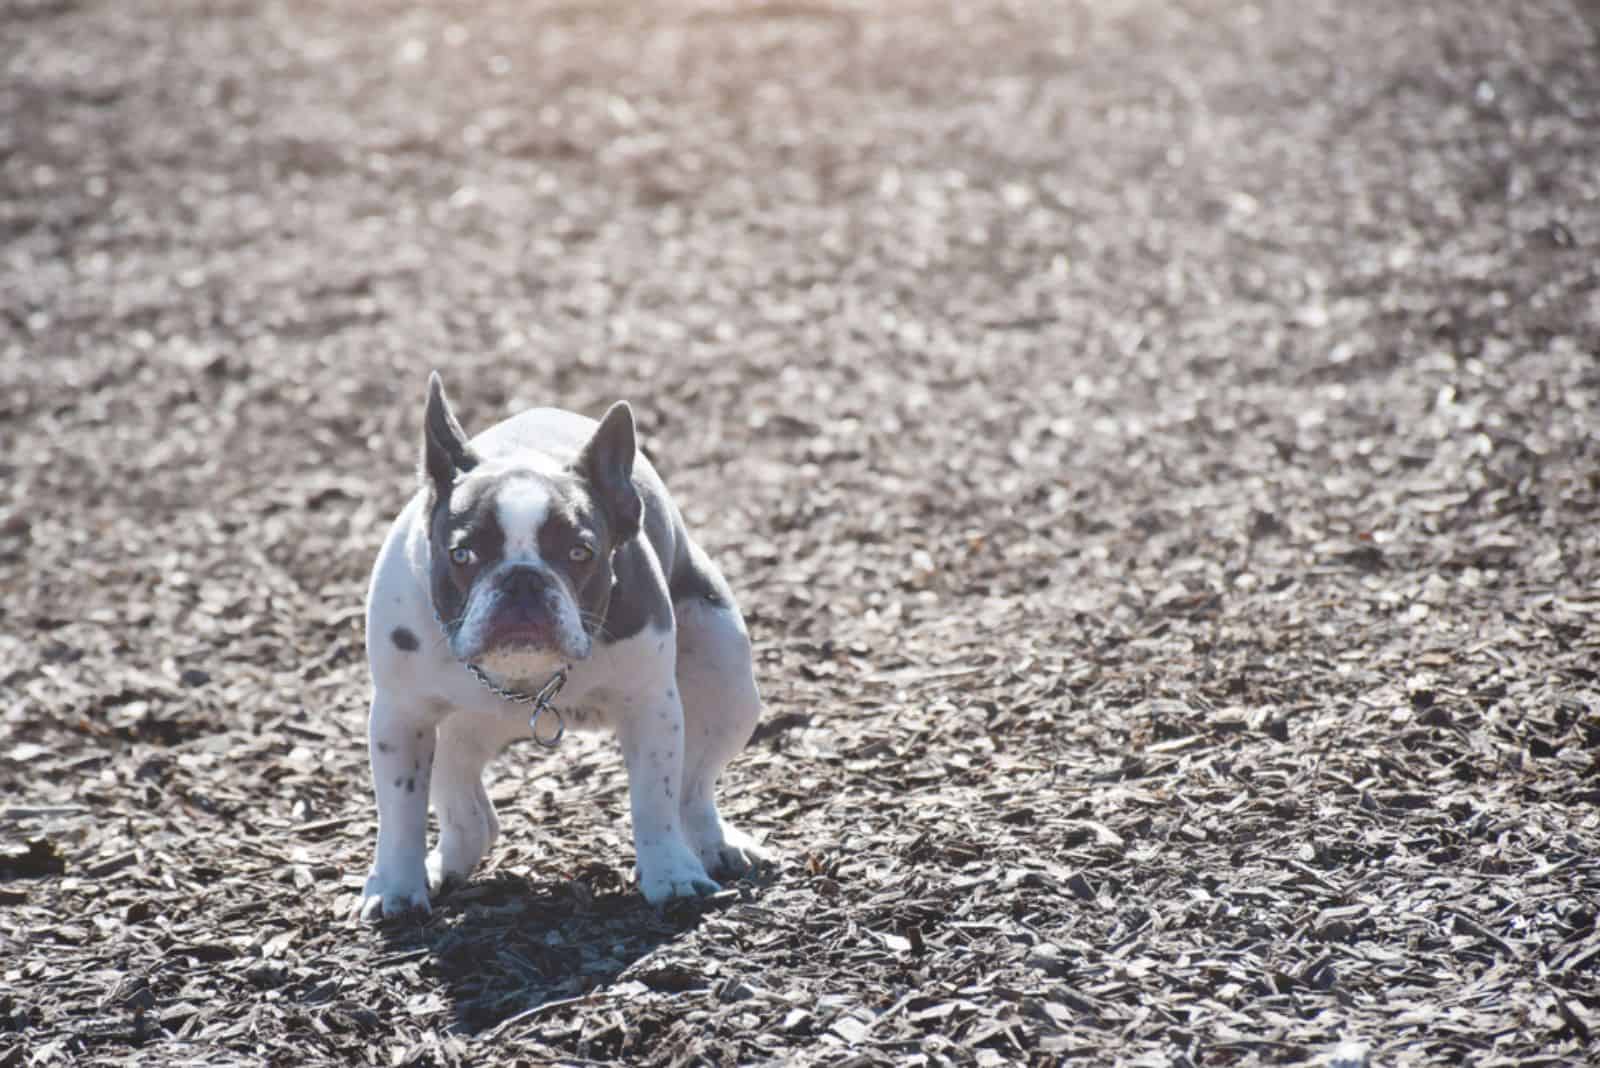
(1154, 442)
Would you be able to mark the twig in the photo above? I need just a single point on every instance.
(529, 1014)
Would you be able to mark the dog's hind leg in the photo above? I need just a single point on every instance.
(721, 704)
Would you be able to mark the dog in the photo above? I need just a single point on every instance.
(546, 555)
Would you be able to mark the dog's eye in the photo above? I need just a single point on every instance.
(461, 556)
(580, 554)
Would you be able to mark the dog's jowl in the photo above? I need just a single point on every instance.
(546, 552)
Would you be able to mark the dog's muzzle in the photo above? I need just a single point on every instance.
(524, 612)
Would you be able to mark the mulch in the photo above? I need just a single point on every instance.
(1154, 445)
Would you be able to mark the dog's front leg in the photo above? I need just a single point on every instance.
(652, 748)
(400, 740)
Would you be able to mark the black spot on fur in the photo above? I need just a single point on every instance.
(695, 578)
(397, 784)
(404, 640)
(411, 786)
(385, 747)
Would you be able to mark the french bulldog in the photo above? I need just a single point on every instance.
(545, 554)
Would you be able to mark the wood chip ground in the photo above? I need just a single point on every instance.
(1154, 443)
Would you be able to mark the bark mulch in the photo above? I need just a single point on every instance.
(1154, 444)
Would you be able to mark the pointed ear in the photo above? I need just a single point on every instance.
(607, 462)
(445, 452)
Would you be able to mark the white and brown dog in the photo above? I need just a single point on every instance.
(547, 549)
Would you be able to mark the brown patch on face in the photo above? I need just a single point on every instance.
(467, 520)
(576, 545)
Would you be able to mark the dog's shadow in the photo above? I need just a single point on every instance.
(505, 947)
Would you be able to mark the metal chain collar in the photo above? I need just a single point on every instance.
(542, 700)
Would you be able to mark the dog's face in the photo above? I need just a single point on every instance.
(520, 551)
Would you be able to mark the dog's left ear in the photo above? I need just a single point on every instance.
(607, 462)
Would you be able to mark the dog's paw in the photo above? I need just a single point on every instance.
(673, 872)
(733, 854)
(442, 875)
(384, 897)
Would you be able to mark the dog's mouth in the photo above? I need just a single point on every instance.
(520, 633)
(521, 643)
(521, 622)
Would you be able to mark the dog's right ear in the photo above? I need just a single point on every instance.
(445, 452)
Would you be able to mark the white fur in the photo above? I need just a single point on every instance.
(721, 706)
(681, 699)
(522, 507)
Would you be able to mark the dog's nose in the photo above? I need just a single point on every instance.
(524, 583)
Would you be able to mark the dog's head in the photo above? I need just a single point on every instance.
(521, 549)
